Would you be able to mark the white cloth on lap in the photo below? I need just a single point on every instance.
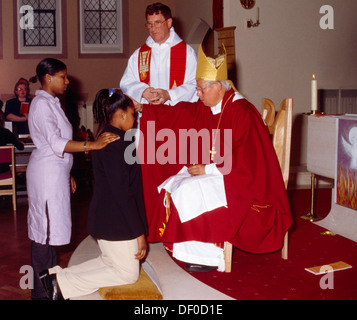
(194, 195)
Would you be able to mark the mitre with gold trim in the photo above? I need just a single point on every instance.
(213, 69)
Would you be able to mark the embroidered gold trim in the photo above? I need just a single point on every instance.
(256, 207)
(167, 205)
(144, 64)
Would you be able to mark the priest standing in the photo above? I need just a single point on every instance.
(235, 177)
(163, 69)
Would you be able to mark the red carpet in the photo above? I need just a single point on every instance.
(268, 277)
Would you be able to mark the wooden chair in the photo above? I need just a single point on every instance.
(268, 113)
(281, 138)
(7, 179)
(281, 131)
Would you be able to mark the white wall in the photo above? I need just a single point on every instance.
(277, 59)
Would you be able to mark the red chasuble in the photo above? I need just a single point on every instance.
(178, 56)
(258, 213)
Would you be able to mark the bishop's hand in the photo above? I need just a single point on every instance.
(197, 170)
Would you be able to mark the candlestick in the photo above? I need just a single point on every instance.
(313, 94)
(311, 216)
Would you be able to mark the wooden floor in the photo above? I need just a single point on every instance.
(15, 245)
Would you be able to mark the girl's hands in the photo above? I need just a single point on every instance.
(73, 185)
(142, 247)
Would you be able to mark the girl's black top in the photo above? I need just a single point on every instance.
(117, 209)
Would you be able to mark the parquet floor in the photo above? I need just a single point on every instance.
(15, 245)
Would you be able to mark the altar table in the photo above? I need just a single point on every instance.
(321, 160)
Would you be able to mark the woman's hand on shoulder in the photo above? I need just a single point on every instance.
(104, 139)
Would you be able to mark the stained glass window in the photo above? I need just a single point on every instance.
(101, 26)
(43, 30)
(39, 27)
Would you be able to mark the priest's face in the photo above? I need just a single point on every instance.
(209, 93)
(158, 27)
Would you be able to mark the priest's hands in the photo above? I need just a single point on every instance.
(197, 170)
(156, 96)
(161, 96)
(153, 96)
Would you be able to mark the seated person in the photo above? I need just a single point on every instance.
(13, 107)
(238, 149)
(7, 137)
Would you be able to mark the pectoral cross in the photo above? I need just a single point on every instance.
(213, 152)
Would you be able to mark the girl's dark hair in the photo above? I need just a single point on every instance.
(157, 8)
(48, 66)
(106, 103)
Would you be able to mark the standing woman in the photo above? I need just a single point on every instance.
(116, 217)
(48, 173)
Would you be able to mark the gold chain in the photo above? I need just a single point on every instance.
(213, 151)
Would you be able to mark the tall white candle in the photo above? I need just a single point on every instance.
(313, 94)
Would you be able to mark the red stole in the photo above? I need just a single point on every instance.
(178, 58)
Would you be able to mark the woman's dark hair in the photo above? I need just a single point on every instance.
(157, 8)
(106, 103)
(48, 66)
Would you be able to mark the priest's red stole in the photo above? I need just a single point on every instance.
(144, 64)
(178, 57)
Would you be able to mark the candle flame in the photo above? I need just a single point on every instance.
(313, 77)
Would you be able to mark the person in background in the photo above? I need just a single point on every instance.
(49, 183)
(13, 107)
(7, 137)
(163, 69)
(116, 215)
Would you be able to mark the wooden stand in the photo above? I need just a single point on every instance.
(226, 36)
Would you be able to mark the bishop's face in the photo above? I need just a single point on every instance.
(211, 94)
(158, 27)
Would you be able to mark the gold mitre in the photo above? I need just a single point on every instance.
(212, 69)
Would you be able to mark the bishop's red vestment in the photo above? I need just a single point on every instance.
(257, 215)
